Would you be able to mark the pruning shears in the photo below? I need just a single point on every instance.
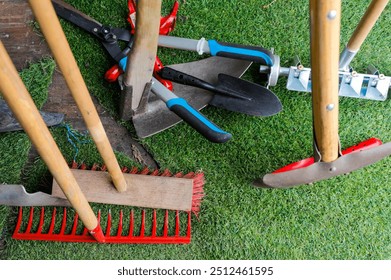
(167, 24)
(109, 37)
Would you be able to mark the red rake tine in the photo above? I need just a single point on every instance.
(120, 223)
(53, 221)
(131, 224)
(154, 222)
(73, 236)
(165, 226)
(64, 222)
(30, 220)
(177, 222)
(142, 229)
(74, 227)
(108, 225)
(41, 220)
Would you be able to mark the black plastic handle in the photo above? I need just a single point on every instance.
(184, 79)
(251, 53)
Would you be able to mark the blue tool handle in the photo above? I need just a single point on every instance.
(198, 121)
(251, 53)
(122, 63)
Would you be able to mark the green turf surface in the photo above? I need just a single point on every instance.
(341, 218)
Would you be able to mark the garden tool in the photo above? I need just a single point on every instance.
(55, 37)
(372, 85)
(9, 123)
(167, 24)
(161, 232)
(328, 160)
(23, 107)
(151, 115)
(215, 48)
(25, 111)
(51, 28)
(232, 93)
(137, 79)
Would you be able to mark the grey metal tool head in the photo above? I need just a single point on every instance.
(16, 195)
(9, 123)
(324, 170)
(153, 116)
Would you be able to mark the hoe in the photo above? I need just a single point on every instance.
(328, 160)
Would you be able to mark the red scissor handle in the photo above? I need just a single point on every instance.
(167, 24)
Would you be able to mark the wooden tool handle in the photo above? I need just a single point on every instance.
(366, 24)
(24, 109)
(142, 57)
(325, 31)
(51, 28)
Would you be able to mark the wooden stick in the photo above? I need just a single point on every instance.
(142, 57)
(366, 24)
(325, 31)
(24, 109)
(51, 28)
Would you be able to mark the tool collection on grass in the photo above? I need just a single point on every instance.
(155, 97)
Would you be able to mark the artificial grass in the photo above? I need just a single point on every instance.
(341, 218)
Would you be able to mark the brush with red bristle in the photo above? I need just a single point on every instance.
(161, 231)
(197, 178)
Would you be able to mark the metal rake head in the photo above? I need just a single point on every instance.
(73, 234)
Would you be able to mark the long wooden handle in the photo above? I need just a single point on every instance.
(24, 109)
(55, 37)
(325, 30)
(141, 59)
(366, 24)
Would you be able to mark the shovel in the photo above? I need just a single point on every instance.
(233, 94)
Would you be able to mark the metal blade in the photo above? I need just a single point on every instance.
(9, 123)
(16, 195)
(69, 13)
(322, 170)
(156, 117)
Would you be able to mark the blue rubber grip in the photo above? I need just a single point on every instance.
(256, 54)
(198, 121)
(122, 63)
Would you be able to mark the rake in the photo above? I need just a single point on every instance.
(23, 107)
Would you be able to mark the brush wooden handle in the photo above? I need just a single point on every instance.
(366, 24)
(142, 57)
(24, 109)
(325, 31)
(55, 37)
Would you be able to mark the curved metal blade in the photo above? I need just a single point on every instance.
(322, 170)
(16, 195)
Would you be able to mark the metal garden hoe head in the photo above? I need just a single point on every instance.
(328, 160)
(372, 85)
